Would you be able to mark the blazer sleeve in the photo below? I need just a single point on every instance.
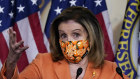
(3, 69)
(32, 71)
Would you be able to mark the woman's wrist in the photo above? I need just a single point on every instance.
(10, 68)
(10, 64)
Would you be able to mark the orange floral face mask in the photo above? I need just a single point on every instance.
(74, 51)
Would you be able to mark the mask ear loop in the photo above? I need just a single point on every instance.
(84, 54)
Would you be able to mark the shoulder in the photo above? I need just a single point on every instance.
(109, 66)
(109, 70)
(43, 58)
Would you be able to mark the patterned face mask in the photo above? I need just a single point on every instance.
(74, 51)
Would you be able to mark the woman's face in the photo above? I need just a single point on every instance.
(71, 31)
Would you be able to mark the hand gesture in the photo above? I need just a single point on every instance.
(15, 50)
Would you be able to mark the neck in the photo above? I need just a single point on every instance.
(73, 67)
(83, 62)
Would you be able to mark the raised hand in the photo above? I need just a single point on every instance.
(15, 52)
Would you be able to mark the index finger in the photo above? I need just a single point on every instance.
(12, 36)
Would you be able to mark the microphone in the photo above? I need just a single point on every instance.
(119, 71)
(79, 71)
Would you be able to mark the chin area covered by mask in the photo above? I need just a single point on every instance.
(74, 51)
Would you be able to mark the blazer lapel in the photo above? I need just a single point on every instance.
(92, 73)
(62, 69)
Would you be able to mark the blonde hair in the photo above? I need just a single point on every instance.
(87, 19)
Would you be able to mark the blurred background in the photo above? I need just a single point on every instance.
(26, 22)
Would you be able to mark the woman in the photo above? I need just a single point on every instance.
(77, 51)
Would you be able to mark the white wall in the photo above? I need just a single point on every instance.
(116, 9)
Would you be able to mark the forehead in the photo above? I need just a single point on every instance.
(70, 25)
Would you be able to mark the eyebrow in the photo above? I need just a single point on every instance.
(72, 30)
(77, 30)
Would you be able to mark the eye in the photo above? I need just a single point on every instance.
(76, 35)
(63, 36)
